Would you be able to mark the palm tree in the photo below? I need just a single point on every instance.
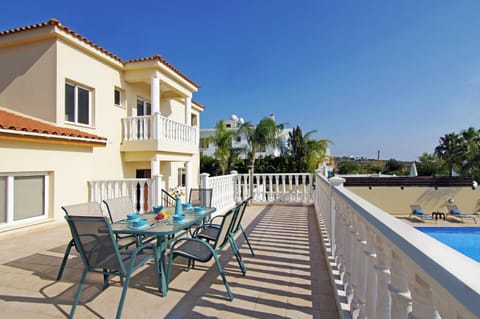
(307, 152)
(258, 137)
(470, 155)
(449, 150)
(224, 153)
(317, 152)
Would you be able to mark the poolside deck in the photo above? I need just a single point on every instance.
(287, 278)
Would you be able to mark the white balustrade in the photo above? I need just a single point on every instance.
(139, 190)
(224, 196)
(284, 187)
(390, 270)
(157, 127)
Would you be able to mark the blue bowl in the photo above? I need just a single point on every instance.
(132, 216)
(187, 205)
(198, 209)
(139, 222)
(178, 218)
(157, 209)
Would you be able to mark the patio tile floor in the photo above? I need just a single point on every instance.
(287, 277)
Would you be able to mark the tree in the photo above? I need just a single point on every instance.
(224, 152)
(429, 165)
(306, 151)
(298, 149)
(470, 152)
(348, 167)
(317, 152)
(449, 151)
(258, 137)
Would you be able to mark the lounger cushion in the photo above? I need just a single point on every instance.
(455, 211)
(418, 211)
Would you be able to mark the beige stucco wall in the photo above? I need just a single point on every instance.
(27, 79)
(396, 201)
(75, 66)
(70, 167)
(32, 81)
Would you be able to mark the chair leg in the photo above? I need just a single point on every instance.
(124, 294)
(105, 278)
(225, 282)
(79, 291)
(246, 239)
(236, 252)
(65, 258)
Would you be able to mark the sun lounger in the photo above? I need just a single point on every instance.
(417, 212)
(454, 212)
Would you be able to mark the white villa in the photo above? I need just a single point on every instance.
(71, 112)
(241, 140)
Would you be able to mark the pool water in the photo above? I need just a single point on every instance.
(463, 239)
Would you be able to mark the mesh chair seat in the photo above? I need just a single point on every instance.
(209, 233)
(194, 250)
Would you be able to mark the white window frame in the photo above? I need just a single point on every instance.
(144, 106)
(10, 191)
(121, 92)
(75, 105)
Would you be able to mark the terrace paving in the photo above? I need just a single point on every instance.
(287, 277)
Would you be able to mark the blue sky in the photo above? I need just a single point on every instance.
(388, 76)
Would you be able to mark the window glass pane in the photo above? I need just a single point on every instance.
(69, 103)
(83, 106)
(139, 107)
(28, 192)
(118, 97)
(149, 109)
(3, 199)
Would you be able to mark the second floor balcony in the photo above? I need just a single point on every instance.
(156, 132)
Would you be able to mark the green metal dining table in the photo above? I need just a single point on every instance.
(163, 230)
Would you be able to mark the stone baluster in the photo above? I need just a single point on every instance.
(400, 294)
(382, 268)
(361, 266)
(371, 275)
(423, 305)
(347, 257)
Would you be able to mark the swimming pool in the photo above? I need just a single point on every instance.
(463, 239)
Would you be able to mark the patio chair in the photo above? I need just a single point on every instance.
(201, 197)
(100, 253)
(417, 211)
(198, 250)
(210, 232)
(117, 209)
(454, 212)
(84, 209)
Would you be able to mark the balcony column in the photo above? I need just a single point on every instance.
(188, 110)
(155, 98)
(156, 181)
(188, 178)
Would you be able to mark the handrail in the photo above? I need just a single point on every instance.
(167, 199)
(388, 268)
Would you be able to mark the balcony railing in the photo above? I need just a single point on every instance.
(157, 127)
(387, 268)
(139, 190)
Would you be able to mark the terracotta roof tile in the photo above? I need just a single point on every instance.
(14, 122)
(57, 23)
(159, 58)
